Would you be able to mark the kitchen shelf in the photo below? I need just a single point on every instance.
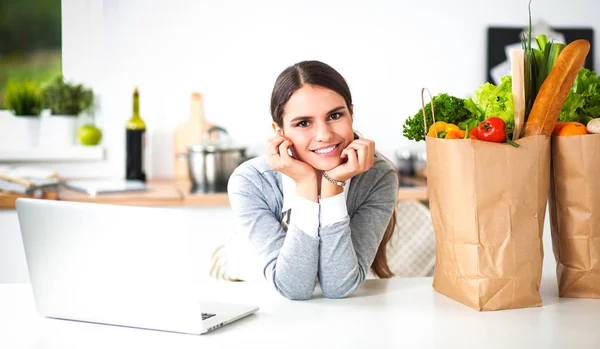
(72, 154)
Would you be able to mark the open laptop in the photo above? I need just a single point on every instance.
(120, 265)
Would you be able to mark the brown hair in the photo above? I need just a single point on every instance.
(320, 74)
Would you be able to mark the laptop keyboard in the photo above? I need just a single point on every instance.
(207, 316)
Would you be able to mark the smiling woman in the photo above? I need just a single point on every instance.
(300, 226)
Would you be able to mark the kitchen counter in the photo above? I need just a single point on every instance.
(163, 192)
(383, 313)
(168, 192)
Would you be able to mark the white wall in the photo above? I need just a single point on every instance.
(232, 51)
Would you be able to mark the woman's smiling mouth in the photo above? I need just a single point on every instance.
(327, 151)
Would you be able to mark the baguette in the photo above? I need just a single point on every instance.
(553, 92)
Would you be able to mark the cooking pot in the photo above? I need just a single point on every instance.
(211, 163)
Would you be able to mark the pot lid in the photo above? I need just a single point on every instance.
(214, 147)
(224, 144)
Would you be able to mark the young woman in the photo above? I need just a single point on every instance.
(320, 203)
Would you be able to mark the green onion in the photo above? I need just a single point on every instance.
(538, 64)
(541, 40)
(530, 70)
(555, 50)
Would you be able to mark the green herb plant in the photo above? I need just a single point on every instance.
(23, 98)
(448, 108)
(64, 98)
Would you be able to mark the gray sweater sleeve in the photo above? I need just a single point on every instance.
(290, 259)
(348, 247)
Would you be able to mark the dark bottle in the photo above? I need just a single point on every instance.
(135, 141)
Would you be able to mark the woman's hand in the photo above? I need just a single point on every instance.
(360, 155)
(280, 160)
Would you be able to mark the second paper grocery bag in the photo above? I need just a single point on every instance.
(575, 214)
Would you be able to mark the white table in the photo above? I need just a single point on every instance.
(395, 313)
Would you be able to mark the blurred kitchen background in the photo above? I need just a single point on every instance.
(218, 60)
(30, 41)
(232, 51)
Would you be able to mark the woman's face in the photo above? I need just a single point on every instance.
(318, 122)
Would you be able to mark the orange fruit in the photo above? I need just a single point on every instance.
(557, 127)
(572, 129)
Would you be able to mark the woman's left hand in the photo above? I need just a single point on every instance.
(361, 157)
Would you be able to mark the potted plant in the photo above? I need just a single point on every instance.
(21, 124)
(66, 101)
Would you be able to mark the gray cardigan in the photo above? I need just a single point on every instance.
(342, 253)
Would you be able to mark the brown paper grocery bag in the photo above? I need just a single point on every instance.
(488, 203)
(575, 214)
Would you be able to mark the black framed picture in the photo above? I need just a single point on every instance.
(498, 38)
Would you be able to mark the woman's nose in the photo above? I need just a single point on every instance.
(323, 132)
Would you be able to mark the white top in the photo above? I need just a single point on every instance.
(309, 215)
(392, 313)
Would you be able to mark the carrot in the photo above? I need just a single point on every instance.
(553, 92)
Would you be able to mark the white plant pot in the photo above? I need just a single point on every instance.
(18, 132)
(57, 131)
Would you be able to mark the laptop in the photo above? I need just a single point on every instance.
(120, 265)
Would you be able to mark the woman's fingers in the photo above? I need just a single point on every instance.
(353, 160)
(271, 148)
(273, 145)
(366, 143)
(352, 163)
(283, 150)
(277, 151)
(361, 154)
(365, 150)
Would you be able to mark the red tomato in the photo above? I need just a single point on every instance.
(492, 130)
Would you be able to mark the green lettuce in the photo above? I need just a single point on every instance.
(497, 101)
(477, 115)
(583, 101)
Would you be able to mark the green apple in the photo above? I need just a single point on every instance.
(89, 134)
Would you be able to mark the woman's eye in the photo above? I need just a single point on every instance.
(302, 123)
(335, 116)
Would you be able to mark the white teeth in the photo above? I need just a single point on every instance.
(324, 151)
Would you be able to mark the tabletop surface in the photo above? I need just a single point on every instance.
(393, 313)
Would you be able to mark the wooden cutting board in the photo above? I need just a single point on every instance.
(188, 133)
(8, 200)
